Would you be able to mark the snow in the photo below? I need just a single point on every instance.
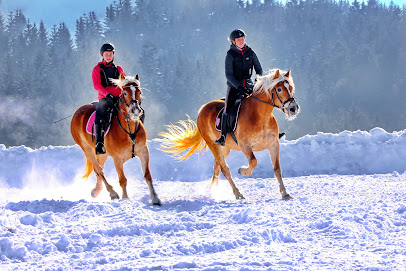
(348, 211)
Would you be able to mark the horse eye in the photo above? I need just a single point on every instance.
(279, 89)
(125, 94)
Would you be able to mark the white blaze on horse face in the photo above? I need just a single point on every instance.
(286, 84)
(291, 108)
(134, 110)
(133, 89)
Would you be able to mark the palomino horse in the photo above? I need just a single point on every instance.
(126, 138)
(257, 129)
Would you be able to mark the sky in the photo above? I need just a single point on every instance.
(53, 12)
(348, 210)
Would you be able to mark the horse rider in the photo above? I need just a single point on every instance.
(108, 92)
(239, 64)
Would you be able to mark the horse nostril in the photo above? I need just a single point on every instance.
(293, 109)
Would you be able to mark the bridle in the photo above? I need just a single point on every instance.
(132, 135)
(133, 89)
(291, 99)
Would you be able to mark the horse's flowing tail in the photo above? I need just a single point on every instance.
(88, 169)
(180, 138)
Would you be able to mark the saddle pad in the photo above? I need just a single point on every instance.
(90, 125)
(234, 120)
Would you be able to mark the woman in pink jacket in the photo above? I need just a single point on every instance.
(108, 92)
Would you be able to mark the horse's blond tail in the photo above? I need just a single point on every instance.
(88, 169)
(180, 138)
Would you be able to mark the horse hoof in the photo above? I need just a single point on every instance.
(156, 201)
(94, 193)
(239, 197)
(243, 171)
(287, 197)
(114, 196)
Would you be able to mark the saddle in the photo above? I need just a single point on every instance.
(232, 119)
(106, 124)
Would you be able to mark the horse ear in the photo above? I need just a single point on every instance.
(277, 74)
(121, 76)
(288, 74)
(137, 77)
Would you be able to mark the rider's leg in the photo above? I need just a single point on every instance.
(230, 100)
(224, 121)
(101, 114)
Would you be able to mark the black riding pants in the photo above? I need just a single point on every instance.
(232, 96)
(102, 108)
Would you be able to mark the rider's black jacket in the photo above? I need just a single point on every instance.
(239, 66)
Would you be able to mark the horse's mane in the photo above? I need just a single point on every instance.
(122, 82)
(267, 82)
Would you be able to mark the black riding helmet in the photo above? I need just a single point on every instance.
(107, 47)
(237, 33)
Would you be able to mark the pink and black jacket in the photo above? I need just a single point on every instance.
(100, 76)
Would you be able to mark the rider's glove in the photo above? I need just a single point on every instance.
(110, 98)
(244, 91)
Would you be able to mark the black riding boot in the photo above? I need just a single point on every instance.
(100, 149)
(222, 140)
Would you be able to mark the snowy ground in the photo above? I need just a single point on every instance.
(352, 221)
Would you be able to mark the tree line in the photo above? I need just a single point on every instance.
(348, 62)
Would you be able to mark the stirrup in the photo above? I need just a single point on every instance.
(221, 141)
(100, 149)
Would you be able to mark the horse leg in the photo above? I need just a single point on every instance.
(252, 161)
(274, 152)
(99, 181)
(220, 159)
(144, 158)
(98, 170)
(217, 168)
(121, 177)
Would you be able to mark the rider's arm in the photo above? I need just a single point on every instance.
(97, 82)
(257, 65)
(229, 71)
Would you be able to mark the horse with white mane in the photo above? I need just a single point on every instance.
(126, 138)
(257, 129)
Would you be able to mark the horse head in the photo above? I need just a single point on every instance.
(279, 87)
(130, 97)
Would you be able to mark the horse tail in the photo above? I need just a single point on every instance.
(180, 138)
(88, 169)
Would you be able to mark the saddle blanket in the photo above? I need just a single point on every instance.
(90, 125)
(233, 118)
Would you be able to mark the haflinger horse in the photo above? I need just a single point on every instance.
(257, 129)
(126, 138)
